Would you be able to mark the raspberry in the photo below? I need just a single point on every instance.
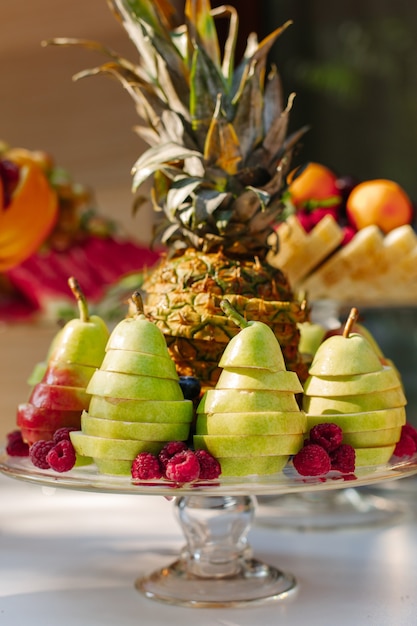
(61, 457)
(183, 467)
(328, 436)
(409, 430)
(209, 466)
(406, 446)
(343, 459)
(38, 452)
(168, 451)
(15, 444)
(312, 460)
(63, 433)
(145, 466)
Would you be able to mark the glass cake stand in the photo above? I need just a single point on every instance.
(216, 567)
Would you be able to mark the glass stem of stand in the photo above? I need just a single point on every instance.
(216, 531)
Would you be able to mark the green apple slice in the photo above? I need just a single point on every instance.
(375, 401)
(251, 378)
(351, 385)
(252, 466)
(239, 400)
(249, 445)
(102, 447)
(117, 385)
(254, 347)
(345, 356)
(140, 335)
(116, 429)
(373, 438)
(59, 397)
(139, 363)
(365, 420)
(142, 410)
(266, 423)
(368, 457)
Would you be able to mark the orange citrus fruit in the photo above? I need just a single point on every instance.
(29, 218)
(380, 202)
(311, 182)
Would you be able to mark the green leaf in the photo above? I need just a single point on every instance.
(158, 157)
(202, 29)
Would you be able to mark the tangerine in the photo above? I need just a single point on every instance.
(312, 182)
(381, 202)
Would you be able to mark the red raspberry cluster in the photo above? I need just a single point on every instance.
(176, 462)
(15, 445)
(324, 451)
(407, 445)
(57, 454)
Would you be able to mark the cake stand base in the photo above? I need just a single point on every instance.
(216, 569)
(328, 510)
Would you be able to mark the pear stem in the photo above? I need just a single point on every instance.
(229, 310)
(138, 302)
(80, 298)
(353, 316)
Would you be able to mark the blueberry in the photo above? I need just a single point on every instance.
(191, 387)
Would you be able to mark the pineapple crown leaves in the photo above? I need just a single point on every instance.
(224, 128)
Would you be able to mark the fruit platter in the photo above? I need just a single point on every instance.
(205, 388)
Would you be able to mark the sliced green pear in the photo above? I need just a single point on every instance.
(245, 400)
(345, 356)
(177, 411)
(351, 385)
(311, 337)
(366, 420)
(117, 385)
(254, 347)
(102, 447)
(59, 397)
(139, 335)
(249, 445)
(375, 401)
(252, 466)
(117, 429)
(114, 467)
(368, 457)
(69, 374)
(266, 423)
(373, 438)
(250, 378)
(139, 363)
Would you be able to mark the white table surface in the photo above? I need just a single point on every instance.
(71, 558)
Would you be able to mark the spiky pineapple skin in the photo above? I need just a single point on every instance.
(182, 296)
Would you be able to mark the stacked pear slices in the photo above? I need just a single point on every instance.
(59, 394)
(137, 404)
(251, 421)
(349, 384)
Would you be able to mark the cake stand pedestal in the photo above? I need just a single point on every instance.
(216, 567)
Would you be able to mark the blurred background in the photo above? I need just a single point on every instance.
(351, 64)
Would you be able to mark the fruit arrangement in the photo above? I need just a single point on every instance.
(345, 240)
(219, 151)
(137, 404)
(59, 394)
(251, 421)
(50, 229)
(349, 385)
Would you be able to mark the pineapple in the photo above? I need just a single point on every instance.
(219, 154)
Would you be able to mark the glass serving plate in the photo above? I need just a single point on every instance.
(216, 567)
